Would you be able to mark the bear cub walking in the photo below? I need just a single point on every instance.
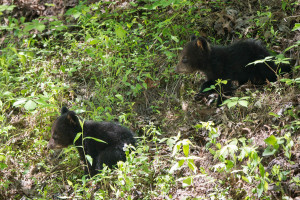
(228, 63)
(66, 127)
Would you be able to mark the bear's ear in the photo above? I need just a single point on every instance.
(72, 118)
(202, 44)
(64, 110)
(193, 37)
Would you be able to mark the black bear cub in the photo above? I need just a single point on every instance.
(228, 63)
(66, 127)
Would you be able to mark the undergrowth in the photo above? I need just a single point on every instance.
(115, 63)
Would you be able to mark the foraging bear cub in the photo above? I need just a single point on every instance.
(228, 63)
(66, 127)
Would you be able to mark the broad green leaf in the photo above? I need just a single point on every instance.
(2, 166)
(89, 159)
(69, 182)
(145, 85)
(269, 151)
(41, 102)
(6, 7)
(30, 105)
(260, 189)
(211, 150)
(158, 38)
(187, 182)
(180, 163)
(63, 69)
(35, 24)
(262, 170)
(231, 104)
(229, 164)
(138, 86)
(2, 157)
(120, 32)
(218, 145)
(40, 27)
(28, 28)
(207, 89)
(266, 185)
(245, 179)
(243, 103)
(186, 148)
(133, 4)
(19, 102)
(119, 97)
(77, 136)
(74, 12)
(272, 140)
(174, 38)
(234, 99)
(296, 27)
(192, 165)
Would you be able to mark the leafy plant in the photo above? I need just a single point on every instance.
(263, 181)
(213, 132)
(4, 8)
(278, 59)
(217, 87)
(234, 101)
(187, 160)
(293, 82)
(273, 145)
(35, 24)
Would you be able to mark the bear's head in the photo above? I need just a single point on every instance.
(194, 56)
(64, 129)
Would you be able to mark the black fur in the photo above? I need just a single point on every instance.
(66, 127)
(228, 63)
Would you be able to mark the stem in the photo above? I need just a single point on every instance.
(82, 140)
(271, 68)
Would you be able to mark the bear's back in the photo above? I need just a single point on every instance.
(110, 132)
(231, 62)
